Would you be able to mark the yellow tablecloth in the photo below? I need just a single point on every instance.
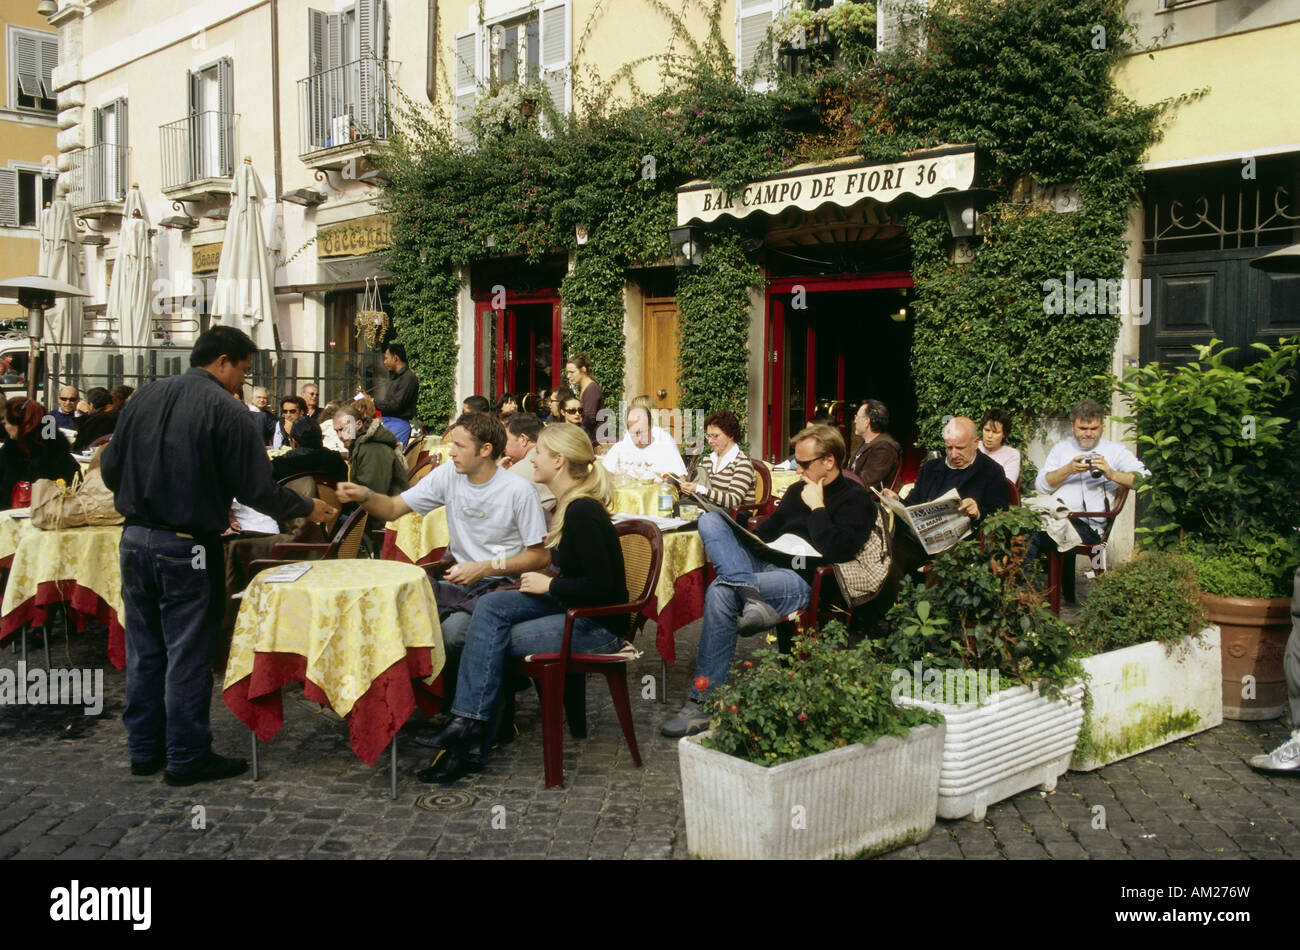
(683, 553)
(637, 499)
(783, 480)
(12, 530)
(417, 536)
(84, 556)
(351, 619)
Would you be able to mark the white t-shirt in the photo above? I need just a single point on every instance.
(501, 516)
(660, 457)
(1081, 491)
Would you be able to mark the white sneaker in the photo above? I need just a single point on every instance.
(1284, 760)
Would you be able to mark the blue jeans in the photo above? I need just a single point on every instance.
(400, 428)
(512, 623)
(781, 587)
(172, 615)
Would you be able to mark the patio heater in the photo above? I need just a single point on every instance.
(37, 294)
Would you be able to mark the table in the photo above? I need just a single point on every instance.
(12, 531)
(679, 596)
(635, 498)
(76, 566)
(415, 538)
(354, 632)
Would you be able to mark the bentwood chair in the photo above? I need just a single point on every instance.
(1060, 564)
(762, 493)
(642, 546)
(345, 544)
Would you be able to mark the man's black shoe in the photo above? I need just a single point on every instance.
(449, 767)
(459, 730)
(148, 766)
(210, 768)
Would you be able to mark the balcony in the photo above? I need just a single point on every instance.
(343, 112)
(99, 180)
(198, 156)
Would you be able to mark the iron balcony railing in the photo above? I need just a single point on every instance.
(348, 103)
(99, 173)
(199, 146)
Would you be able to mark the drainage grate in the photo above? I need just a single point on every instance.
(448, 801)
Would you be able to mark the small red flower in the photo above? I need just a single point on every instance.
(701, 683)
(748, 665)
(790, 674)
(733, 708)
(802, 717)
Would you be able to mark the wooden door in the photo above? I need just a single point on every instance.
(659, 335)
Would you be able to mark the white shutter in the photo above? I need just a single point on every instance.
(27, 55)
(333, 40)
(900, 24)
(49, 59)
(316, 52)
(225, 121)
(372, 90)
(753, 44)
(465, 70)
(8, 197)
(555, 43)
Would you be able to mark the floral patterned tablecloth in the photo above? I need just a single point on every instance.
(356, 632)
(76, 566)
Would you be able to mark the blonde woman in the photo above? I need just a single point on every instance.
(584, 546)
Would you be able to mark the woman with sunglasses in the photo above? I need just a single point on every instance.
(585, 547)
(26, 455)
(556, 402)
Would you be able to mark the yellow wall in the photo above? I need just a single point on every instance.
(1251, 103)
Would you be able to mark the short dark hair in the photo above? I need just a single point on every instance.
(1085, 410)
(877, 414)
(120, 394)
(306, 433)
(525, 424)
(296, 400)
(98, 398)
(1002, 418)
(477, 404)
(822, 419)
(483, 427)
(564, 394)
(725, 420)
(397, 349)
(214, 343)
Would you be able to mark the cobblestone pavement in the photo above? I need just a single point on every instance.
(66, 792)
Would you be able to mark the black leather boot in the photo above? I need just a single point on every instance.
(456, 730)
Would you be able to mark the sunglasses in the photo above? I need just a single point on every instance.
(805, 463)
(573, 411)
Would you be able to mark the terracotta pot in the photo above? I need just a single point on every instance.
(1255, 630)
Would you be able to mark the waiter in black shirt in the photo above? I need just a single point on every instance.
(398, 404)
(182, 450)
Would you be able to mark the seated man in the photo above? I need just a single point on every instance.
(292, 408)
(307, 453)
(877, 458)
(521, 445)
(980, 482)
(644, 451)
(494, 521)
(1085, 471)
(65, 414)
(750, 595)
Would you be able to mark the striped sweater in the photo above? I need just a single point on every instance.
(732, 486)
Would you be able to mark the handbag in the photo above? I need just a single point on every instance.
(862, 578)
(87, 501)
(21, 496)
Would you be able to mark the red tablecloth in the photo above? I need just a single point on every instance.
(687, 606)
(374, 720)
(84, 605)
(391, 552)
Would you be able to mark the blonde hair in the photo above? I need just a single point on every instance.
(571, 441)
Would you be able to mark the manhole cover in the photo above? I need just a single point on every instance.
(448, 801)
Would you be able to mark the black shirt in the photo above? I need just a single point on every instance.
(92, 426)
(52, 460)
(184, 447)
(590, 560)
(983, 479)
(403, 392)
(838, 530)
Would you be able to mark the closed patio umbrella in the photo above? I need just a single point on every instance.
(130, 296)
(60, 259)
(245, 294)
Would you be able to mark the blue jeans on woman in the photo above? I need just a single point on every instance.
(512, 623)
(785, 590)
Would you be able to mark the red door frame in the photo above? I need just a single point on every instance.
(774, 340)
(506, 331)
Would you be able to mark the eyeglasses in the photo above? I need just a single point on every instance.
(805, 463)
(290, 412)
(573, 410)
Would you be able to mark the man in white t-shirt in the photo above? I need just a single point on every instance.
(494, 519)
(644, 451)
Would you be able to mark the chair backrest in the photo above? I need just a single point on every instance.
(1013, 493)
(1112, 513)
(420, 472)
(643, 556)
(762, 483)
(347, 543)
(852, 476)
(413, 456)
(326, 493)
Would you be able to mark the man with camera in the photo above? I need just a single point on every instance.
(1086, 470)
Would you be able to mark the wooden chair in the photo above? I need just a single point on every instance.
(762, 492)
(1060, 564)
(414, 455)
(324, 490)
(419, 473)
(642, 546)
(345, 544)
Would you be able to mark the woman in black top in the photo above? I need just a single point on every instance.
(25, 456)
(584, 546)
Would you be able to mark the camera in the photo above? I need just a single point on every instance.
(1094, 472)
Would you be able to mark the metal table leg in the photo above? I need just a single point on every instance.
(393, 758)
(255, 770)
(663, 681)
(45, 632)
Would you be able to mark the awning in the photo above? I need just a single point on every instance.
(844, 183)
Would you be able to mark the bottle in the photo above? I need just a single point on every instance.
(665, 499)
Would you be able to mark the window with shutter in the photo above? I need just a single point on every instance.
(372, 31)
(8, 197)
(555, 44)
(753, 39)
(465, 70)
(900, 24)
(32, 58)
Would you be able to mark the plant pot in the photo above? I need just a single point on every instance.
(1255, 630)
(1145, 696)
(861, 798)
(1017, 740)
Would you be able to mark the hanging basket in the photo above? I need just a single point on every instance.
(371, 319)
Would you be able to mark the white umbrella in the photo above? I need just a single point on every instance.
(60, 258)
(245, 292)
(130, 297)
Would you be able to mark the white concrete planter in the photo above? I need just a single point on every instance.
(1144, 696)
(862, 798)
(1017, 740)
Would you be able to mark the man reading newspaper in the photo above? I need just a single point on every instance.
(758, 584)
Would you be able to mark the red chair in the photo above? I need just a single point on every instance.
(1013, 493)
(642, 546)
(1060, 564)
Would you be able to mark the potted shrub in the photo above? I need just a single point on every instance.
(978, 619)
(808, 757)
(1220, 444)
(1153, 672)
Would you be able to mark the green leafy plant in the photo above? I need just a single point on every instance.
(977, 609)
(824, 696)
(1231, 575)
(1224, 467)
(1152, 597)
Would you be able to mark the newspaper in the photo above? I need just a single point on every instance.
(788, 550)
(937, 525)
